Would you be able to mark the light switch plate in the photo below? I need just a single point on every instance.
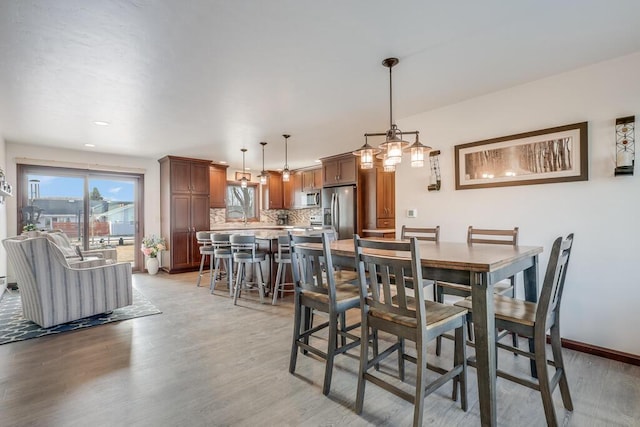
(412, 213)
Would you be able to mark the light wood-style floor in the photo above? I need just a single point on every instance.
(204, 362)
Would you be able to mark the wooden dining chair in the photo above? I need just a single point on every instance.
(387, 306)
(505, 287)
(316, 289)
(423, 234)
(533, 320)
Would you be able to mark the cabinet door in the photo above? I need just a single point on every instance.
(297, 191)
(199, 176)
(317, 179)
(180, 176)
(217, 187)
(180, 243)
(347, 169)
(385, 194)
(330, 172)
(289, 192)
(272, 192)
(199, 222)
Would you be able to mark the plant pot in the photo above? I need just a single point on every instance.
(152, 265)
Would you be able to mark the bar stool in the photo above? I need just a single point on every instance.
(243, 248)
(283, 258)
(206, 250)
(222, 252)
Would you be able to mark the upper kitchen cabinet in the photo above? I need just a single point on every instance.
(217, 185)
(339, 170)
(291, 191)
(273, 192)
(311, 179)
(377, 198)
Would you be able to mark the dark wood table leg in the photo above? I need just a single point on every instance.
(484, 328)
(531, 294)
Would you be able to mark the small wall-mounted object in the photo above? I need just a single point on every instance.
(6, 189)
(625, 145)
(434, 163)
(412, 213)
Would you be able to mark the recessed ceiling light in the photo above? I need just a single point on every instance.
(101, 123)
(317, 160)
(223, 162)
(89, 145)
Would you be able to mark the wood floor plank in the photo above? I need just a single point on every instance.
(205, 362)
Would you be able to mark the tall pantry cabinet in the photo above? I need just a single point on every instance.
(184, 209)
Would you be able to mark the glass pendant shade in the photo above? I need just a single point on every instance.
(366, 159)
(286, 175)
(417, 157)
(263, 178)
(388, 164)
(243, 182)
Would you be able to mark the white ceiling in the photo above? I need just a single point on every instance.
(205, 78)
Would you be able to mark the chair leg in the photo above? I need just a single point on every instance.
(230, 275)
(276, 285)
(438, 297)
(343, 328)
(212, 277)
(460, 359)
(364, 361)
(401, 358)
(261, 284)
(331, 352)
(513, 295)
(236, 288)
(543, 380)
(200, 271)
(216, 271)
(421, 380)
(556, 348)
(307, 322)
(297, 317)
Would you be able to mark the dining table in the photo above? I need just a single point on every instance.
(480, 266)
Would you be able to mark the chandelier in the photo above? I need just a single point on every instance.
(390, 151)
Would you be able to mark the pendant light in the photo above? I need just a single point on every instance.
(390, 151)
(243, 180)
(286, 174)
(264, 174)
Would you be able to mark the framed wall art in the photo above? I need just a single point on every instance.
(558, 154)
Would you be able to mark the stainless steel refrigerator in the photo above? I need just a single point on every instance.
(339, 208)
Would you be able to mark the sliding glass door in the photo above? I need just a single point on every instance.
(94, 209)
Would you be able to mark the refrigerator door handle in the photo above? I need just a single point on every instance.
(337, 221)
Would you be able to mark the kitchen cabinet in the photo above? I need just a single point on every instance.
(377, 198)
(184, 209)
(292, 190)
(273, 192)
(339, 170)
(217, 186)
(311, 179)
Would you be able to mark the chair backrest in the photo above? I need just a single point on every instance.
(424, 234)
(386, 269)
(243, 243)
(548, 309)
(203, 237)
(313, 266)
(492, 236)
(220, 240)
(284, 246)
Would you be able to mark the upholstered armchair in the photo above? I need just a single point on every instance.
(74, 254)
(53, 292)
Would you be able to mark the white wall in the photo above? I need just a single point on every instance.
(602, 289)
(151, 172)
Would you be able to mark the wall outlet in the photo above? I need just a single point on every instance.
(412, 213)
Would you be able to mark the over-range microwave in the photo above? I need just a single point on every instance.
(310, 200)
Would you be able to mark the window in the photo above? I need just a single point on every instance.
(242, 201)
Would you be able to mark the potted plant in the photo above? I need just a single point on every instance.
(151, 246)
(30, 230)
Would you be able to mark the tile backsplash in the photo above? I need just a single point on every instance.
(270, 216)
